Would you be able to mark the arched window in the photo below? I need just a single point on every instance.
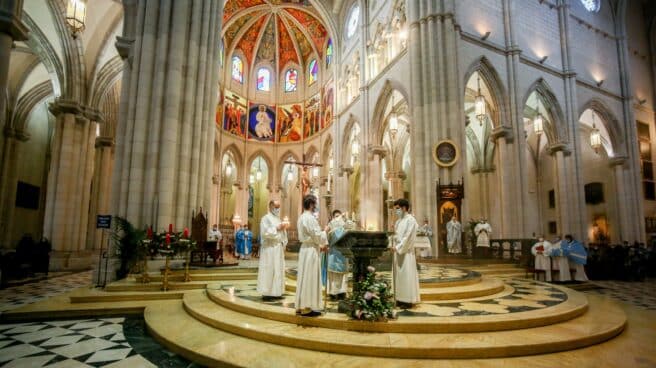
(263, 79)
(291, 80)
(591, 5)
(353, 20)
(237, 69)
(329, 52)
(313, 70)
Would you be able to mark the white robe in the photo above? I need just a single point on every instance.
(271, 271)
(561, 264)
(453, 236)
(406, 279)
(308, 281)
(482, 231)
(542, 261)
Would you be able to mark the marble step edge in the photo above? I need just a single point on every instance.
(109, 297)
(469, 281)
(567, 335)
(154, 286)
(203, 277)
(211, 271)
(575, 306)
(73, 312)
(487, 286)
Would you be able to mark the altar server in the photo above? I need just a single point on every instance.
(559, 261)
(337, 273)
(577, 256)
(406, 279)
(541, 251)
(313, 240)
(271, 271)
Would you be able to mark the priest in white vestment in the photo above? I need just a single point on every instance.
(454, 235)
(271, 271)
(541, 251)
(482, 231)
(406, 279)
(313, 240)
(560, 262)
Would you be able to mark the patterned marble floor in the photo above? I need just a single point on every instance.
(642, 294)
(17, 296)
(527, 296)
(432, 274)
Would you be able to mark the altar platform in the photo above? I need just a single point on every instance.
(467, 318)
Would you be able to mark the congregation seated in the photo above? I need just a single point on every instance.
(28, 259)
(622, 261)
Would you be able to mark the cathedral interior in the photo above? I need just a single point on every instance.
(131, 124)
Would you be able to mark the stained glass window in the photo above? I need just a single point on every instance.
(263, 79)
(313, 70)
(237, 69)
(291, 80)
(352, 22)
(591, 5)
(329, 52)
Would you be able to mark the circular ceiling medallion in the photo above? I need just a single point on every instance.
(445, 153)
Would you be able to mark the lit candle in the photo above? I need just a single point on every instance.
(170, 228)
(185, 234)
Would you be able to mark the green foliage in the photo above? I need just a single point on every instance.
(372, 299)
(127, 239)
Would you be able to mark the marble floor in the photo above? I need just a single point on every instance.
(97, 342)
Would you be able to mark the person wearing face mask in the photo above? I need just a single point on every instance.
(215, 234)
(313, 241)
(541, 251)
(271, 271)
(406, 279)
(336, 273)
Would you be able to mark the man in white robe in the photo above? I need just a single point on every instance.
(541, 251)
(560, 262)
(313, 240)
(271, 271)
(482, 230)
(454, 235)
(406, 279)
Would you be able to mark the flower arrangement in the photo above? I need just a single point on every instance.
(372, 299)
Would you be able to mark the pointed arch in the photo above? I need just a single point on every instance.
(267, 160)
(236, 154)
(378, 123)
(346, 140)
(26, 104)
(556, 128)
(496, 87)
(610, 122)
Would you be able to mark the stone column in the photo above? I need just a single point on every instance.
(164, 139)
(69, 185)
(8, 182)
(373, 202)
(625, 229)
(510, 214)
(563, 195)
(100, 192)
(11, 29)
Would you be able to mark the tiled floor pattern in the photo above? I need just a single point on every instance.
(428, 273)
(104, 342)
(528, 295)
(639, 293)
(18, 296)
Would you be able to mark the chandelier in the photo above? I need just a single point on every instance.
(76, 12)
(479, 103)
(595, 135)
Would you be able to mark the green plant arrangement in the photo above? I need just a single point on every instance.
(127, 239)
(372, 299)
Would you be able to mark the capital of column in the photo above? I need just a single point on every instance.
(391, 175)
(617, 161)
(348, 170)
(93, 115)
(559, 147)
(104, 142)
(502, 132)
(11, 24)
(377, 150)
(124, 46)
(17, 134)
(63, 106)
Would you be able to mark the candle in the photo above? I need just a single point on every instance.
(185, 234)
(150, 232)
(170, 228)
(168, 238)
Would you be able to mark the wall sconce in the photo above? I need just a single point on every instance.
(543, 59)
(600, 82)
(486, 35)
(642, 102)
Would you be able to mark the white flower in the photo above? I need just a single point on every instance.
(371, 269)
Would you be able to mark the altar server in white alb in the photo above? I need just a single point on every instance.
(271, 272)
(406, 279)
(313, 240)
(559, 261)
(541, 251)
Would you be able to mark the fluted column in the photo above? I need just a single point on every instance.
(164, 141)
(100, 191)
(509, 212)
(69, 179)
(8, 182)
(625, 230)
(563, 195)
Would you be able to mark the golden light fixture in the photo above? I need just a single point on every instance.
(538, 124)
(595, 136)
(355, 147)
(228, 169)
(479, 104)
(76, 12)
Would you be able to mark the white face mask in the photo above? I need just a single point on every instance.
(275, 211)
(399, 212)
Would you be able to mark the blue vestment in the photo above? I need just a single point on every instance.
(244, 240)
(336, 260)
(575, 252)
